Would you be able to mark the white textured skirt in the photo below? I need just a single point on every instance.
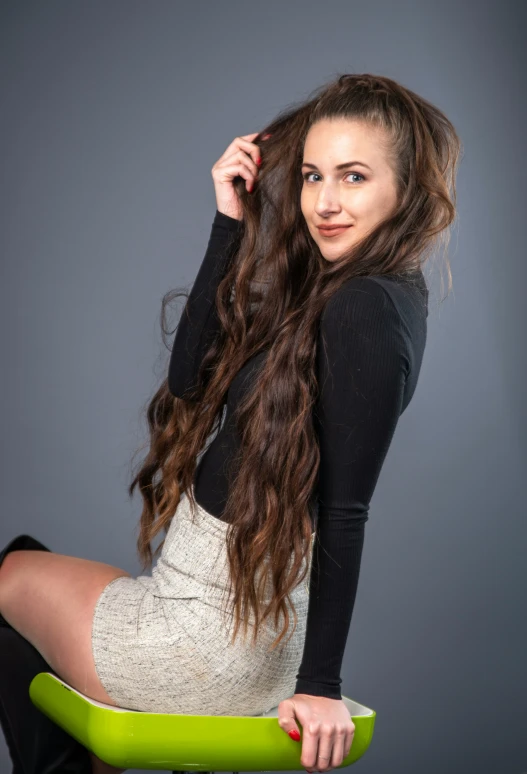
(161, 643)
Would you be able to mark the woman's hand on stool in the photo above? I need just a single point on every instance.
(327, 729)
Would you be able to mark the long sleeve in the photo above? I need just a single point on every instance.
(362, 367)
(199, 321)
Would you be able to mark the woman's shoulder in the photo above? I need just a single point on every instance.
(355, 298)
(374, 316)
(396, 298)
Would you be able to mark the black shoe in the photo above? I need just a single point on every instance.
(23, 543)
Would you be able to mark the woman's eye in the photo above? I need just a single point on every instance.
(306, 175)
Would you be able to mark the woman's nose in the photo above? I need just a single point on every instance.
(327, 201)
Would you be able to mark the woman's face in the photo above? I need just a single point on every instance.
(359, 195)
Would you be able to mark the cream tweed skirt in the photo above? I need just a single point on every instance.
(161, 644)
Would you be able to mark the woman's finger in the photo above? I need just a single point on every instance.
(349, 739)
(241, 144)
(339, 741)
(238, 163)
(310, 746)
(226, 174)
(325, 754)
(241, 156)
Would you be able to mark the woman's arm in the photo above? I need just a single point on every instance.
(362, 367)
(199, 321)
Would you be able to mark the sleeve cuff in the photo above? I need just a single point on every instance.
(310, 688)
(220, 219)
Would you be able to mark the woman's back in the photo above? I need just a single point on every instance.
(370, 346)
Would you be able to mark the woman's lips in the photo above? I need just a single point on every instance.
(331, 232)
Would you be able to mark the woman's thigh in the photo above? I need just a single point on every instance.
(50, 599)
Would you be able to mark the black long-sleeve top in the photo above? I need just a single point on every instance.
(374, 333)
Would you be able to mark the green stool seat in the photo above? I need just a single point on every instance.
(147, 740)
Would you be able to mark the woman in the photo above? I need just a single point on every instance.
(301, 344)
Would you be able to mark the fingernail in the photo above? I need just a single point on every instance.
(258, 161)
(295, 736)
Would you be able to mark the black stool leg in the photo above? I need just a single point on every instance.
(36, 744)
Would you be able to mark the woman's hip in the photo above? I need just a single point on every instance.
(166, 640)
(176, 655)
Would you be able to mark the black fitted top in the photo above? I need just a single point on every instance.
(374, 335)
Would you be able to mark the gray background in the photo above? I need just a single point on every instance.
(112, 115)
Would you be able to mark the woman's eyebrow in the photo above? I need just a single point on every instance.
(340, 166)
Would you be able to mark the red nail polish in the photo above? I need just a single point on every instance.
(258, 161)
(295, 736)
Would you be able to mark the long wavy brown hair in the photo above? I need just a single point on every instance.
(274, 476)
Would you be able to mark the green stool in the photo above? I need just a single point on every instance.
(148, 740)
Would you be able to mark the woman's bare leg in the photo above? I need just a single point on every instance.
(10, 625)
(50, 599)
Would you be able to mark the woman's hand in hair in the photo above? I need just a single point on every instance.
(327, 729)
(241, 159)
